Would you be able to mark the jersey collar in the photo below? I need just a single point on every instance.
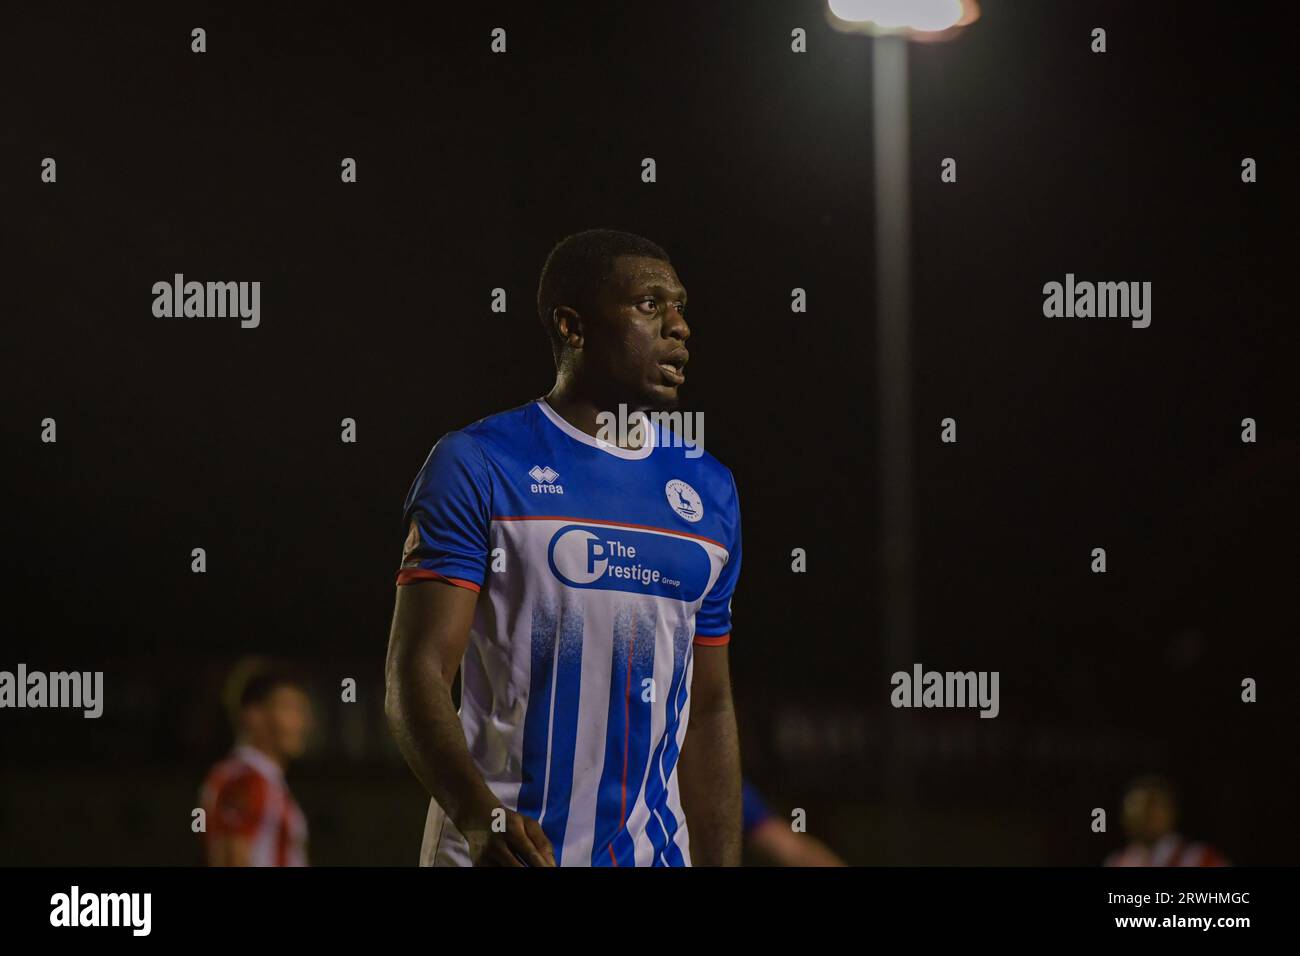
(267, 766)
(630, 454)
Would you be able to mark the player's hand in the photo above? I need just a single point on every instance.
(506, 838)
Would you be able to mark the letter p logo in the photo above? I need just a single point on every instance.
(595, 552)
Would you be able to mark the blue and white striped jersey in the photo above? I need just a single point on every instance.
(598, 569)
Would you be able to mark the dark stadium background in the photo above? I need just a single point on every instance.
(1073, 434)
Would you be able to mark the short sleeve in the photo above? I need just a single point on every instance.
(447, 516)
(713, 620)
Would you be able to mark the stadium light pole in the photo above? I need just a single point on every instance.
(892, 24)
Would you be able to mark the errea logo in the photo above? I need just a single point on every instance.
(544, 481)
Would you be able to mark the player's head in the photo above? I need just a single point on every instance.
(614, 309)
(275, 714)
(1150, 809)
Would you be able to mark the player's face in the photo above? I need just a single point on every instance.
(288, 721)
(636, 346)
(1148, 815)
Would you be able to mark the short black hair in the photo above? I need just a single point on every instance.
(578, 264)
(259, 687)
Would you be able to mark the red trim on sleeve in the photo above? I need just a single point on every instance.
(717, 641)
(411, 575)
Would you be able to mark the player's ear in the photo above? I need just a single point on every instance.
(568, 325)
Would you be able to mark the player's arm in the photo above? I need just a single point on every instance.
(429, 634)
(229, 850)
(238, 811)
(709, 767)
(774, 840)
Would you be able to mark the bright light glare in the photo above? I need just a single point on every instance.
(925, 16)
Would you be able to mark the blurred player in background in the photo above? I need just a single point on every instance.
(252, 818)
(772, 841)
(582, 584)
(1150, 818)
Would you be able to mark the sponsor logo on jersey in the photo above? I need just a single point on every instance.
(617, 559)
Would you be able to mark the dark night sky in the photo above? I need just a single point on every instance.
(375, 305)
